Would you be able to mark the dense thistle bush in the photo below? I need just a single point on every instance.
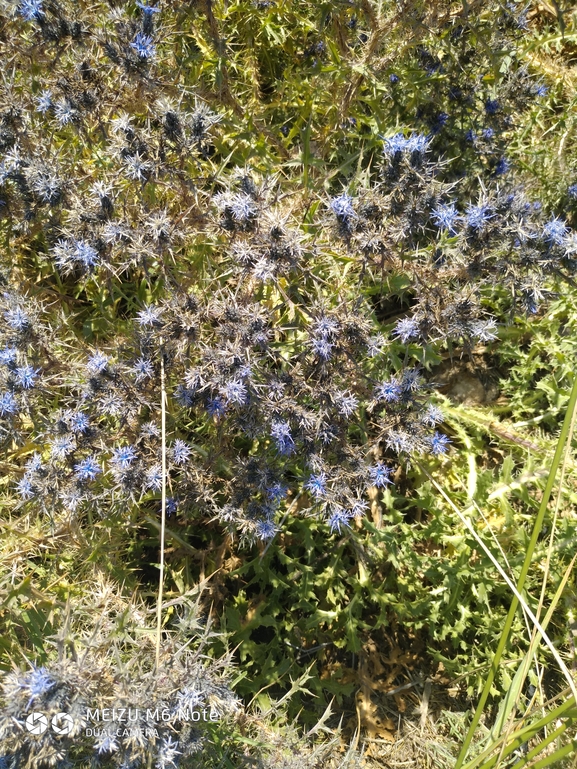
(110, 667)
(151, 249)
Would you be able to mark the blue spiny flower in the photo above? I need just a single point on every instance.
(123, 457)
(87, 469)
(144, 46)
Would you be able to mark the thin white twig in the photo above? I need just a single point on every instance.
(162, 505)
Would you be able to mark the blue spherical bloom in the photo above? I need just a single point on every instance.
(242, 207)
(171, 506)
(150, 316)
(31, 9)
(432, 416)
(555, 231)
(44, 101)
(123, 457)
(25, 488)
(394, 79)
(8, 356)
(380, 475)
(61, 447)
(38, 682)
(281, 433)
(503, 166)
(446, 217)
(97, 363)
(87, 469)
(439, 444)
(406, 328)
(143, 369)
(181, 452)
(78, 421)
(317, 485)
(470, 136)
(541, 90)
(389, 391)
(359, 508)
(216, 407)
(572, 191)
(8, 404)
(265, 529)
(338, 518)
(477, 217)
(26, 376)
(144, 46)
(326, 327)
(234, 392)
(323, 348)
(394, 145)
(17, 319)
(148, 10)
(276, 492)
(488, 133)
(342, 206)
(154, 478)
(347, 404)
(418, 143)
(492, 106)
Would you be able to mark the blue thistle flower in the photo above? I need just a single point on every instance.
(393, 79)
(97, 363)
(492, 106)
(347, 404)
(31, 10)
(61, 447)
(338, 518)
(8, 404)
(477, 217)
(25, 488)
(281, 433)
(64, 112)
(147, 10)
(78, 421)
(275, 492)
(144, 46)
(323, 348)
(388, 391)
(488, 133)
(171, 506)
(87, 469)
(44, 101)
(265, 529)
(317, 485)
(541, 90)
(38, 682)
(26, 376)
(143, 369)
(470, 136)
(572, 191)
(181, 452)
(405, 329)
(439, 444)
(8, 356)
(432, 416)
(123, 457)
(17, 319)
(502, 166)
(380, 475)
(342, 206)
(150, 316)
(555, 231)
(446, 217)
(234, 392)
(216, 407)
(154, 478)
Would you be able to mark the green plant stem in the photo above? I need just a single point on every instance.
(523, 575)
